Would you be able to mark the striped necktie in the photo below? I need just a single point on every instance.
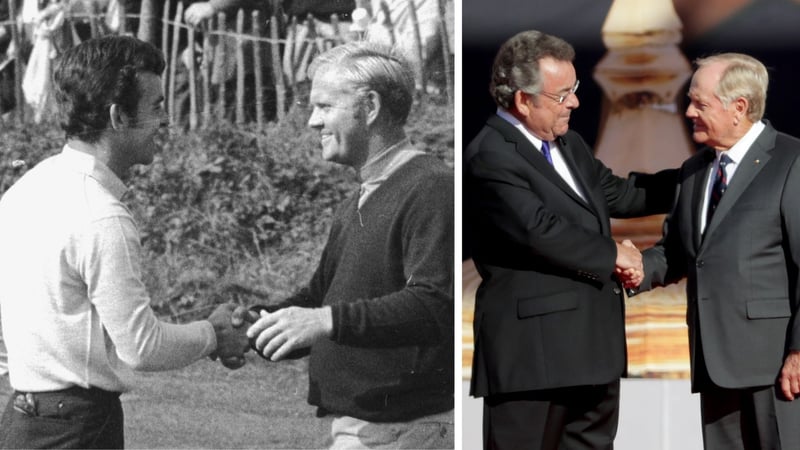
(719, 186)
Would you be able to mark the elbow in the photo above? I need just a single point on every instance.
(136, 362)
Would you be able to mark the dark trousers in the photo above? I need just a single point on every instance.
(749, 419)
(69, 418)
(753, 418)
(581, 417)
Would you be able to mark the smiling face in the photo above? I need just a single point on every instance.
(340, 116)
(713, 122)
(542, 114)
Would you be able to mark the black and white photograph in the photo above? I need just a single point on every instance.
(228, 224)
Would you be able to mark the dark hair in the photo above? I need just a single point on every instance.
(373, 66)
(516, 66)
(97, 73)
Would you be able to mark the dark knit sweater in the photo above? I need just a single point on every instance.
(387, 274)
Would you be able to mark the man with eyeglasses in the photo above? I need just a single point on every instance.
(549, 313)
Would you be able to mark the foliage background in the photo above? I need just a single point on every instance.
(231, 213)
(225, 214)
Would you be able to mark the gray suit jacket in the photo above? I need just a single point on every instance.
(742, 275)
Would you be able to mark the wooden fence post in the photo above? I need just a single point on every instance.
(290, 48)
(18, 95)
(389, 23)
(205, 67)
(240, 70)
(423, 79)
(165, 47)
(173, 64)
(147, 20)
(445, 36)
(311, 43)
(192, 81)
(277, 69)
(257, 67)
(93, 26)
(122, 16)
(220, 56)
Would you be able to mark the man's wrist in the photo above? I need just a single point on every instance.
(326, 320)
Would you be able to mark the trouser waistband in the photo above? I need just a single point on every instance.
(92, 394)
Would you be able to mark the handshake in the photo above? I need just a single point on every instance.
(275, 334)
(629, 267)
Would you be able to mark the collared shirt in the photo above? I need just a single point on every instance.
(736, 154)
(381, 166)
(559, 164)
(75, 311)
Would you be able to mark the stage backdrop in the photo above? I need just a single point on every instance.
(634, 61)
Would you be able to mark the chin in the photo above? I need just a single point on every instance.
(700, 138)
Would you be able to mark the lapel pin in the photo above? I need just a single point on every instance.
(758, 161)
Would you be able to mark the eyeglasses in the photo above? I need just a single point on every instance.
(560, 98)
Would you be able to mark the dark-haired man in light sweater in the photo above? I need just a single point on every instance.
(378, 313)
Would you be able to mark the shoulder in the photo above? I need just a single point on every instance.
(697, 163)
(573, 138)
(425, 181)
(493, 138)
(426, 171)
(787, 143)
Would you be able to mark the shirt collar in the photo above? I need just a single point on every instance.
(508, 117)
(737, 152)
(379, 165)
(89, 165)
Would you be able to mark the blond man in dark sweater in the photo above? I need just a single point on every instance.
(377, 315)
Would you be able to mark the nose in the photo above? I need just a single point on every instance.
(314, 120)
(691, 111)
(572, 100)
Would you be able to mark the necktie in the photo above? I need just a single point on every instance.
(719, 186)
(546, 152)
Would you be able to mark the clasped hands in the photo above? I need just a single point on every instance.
(276, 335)
(629, 267)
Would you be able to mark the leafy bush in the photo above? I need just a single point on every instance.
(231, 213)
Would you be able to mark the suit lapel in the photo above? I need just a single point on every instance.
(592, 196)
(751, 164)
(700, 181)
(534, 157)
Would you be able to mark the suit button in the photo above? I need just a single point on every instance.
(617, 290)
(700, 263)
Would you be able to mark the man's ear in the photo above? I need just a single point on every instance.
(373, 103)
(521, 103)
(118, 119)
(741, 105)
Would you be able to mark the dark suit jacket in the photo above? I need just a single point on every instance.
(549, 312)
(742, 277)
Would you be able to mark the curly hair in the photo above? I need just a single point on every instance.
(377, 67)
(516, 66)
(96, 74)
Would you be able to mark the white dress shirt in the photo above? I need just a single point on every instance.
(74, 308)
(559, 164)
(736, 154)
